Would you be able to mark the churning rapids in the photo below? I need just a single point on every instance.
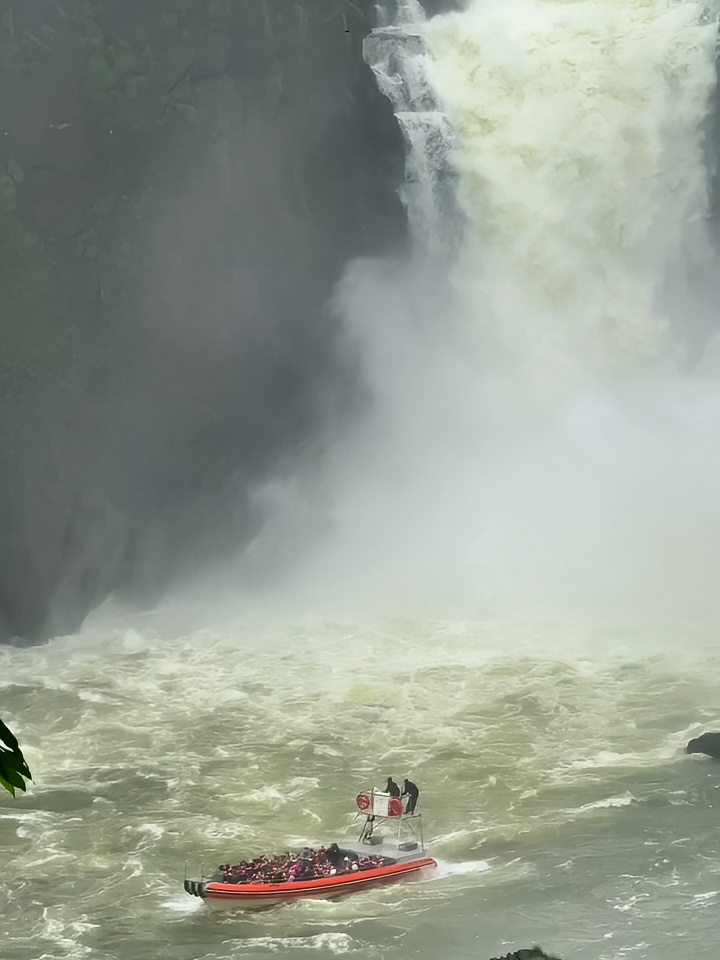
(559, 803)
(514, 601)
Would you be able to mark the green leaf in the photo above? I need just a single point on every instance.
(14, 770)
(8, 738)
(11, 776)
(8, 786)
(16, 761)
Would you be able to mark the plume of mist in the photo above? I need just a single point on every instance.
(534, 440)
(539, 438)
(449, 502)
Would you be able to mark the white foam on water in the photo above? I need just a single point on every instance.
(491, 736)
(446, 869)
(184, 905)
(336, 943)
(622, 801)
(155, 830)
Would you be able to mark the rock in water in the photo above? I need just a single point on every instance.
(534, 953)
(708, 743)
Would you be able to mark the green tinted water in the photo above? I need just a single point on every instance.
(554, 787)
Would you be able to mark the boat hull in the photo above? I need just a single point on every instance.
(260, 896)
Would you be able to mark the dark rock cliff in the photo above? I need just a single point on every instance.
(181, 185)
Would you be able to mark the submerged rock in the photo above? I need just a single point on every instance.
(707, 743)
(534, 953)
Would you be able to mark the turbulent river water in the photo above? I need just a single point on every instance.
(515, 597)
(557, 796)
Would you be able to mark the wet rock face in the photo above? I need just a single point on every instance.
(181, 185)
(707, 743)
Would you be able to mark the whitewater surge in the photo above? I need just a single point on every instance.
(534, 442)
(578, 141)
(554, 788)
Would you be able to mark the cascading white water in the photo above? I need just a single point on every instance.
(555, 461)
(397, 55)
(578, 142)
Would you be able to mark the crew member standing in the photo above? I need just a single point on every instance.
(392, 788)
(410, 791)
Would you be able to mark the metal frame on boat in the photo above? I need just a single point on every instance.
(405, 850)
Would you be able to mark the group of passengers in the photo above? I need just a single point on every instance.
(308, 865)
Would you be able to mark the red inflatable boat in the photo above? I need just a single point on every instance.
(389, 849)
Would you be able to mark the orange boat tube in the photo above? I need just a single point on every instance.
(257, 896)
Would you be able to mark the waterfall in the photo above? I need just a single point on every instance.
(574, 130)
(531, 445)
(398, 56)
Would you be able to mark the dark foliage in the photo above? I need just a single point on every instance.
(14, 771)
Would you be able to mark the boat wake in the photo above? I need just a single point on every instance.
(461, 869)
(336, 943)
(182, 905)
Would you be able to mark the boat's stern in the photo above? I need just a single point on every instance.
(196, 888)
